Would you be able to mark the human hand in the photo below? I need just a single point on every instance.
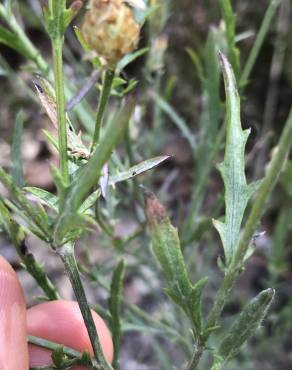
(57, 321)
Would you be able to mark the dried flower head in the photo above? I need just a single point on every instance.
(109, 28)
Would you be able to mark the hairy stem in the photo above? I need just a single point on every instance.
(196, 357)
(268, 184)
(66, 252)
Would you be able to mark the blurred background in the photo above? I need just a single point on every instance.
(179, 113)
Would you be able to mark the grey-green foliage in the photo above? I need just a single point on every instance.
(16, 159)
(243, 328)
(73, 196)
(17, 236)
(167, 249)
(209, 141)
(115, 309)
(237, 192)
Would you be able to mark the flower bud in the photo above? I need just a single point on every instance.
(109, 28)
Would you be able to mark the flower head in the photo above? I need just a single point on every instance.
(109, 28)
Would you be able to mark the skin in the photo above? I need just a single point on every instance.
(57, 321)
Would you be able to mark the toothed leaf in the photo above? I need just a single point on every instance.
(237, 192)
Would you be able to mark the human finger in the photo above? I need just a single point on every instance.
(13, 342)
(61, 322)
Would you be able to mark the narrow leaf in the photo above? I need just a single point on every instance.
(44, 197)
(25, 206)
(246, 324)
(195, 305)
(129, 58)
(90, 201)
(176, 119)
(17, 235)
(17, 172)
(115, 308)
(9, 39)
(138, 169)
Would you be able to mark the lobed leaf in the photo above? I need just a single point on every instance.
(167, 249)
(237, 192)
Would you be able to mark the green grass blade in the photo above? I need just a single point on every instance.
(176, 119)
(265, 26)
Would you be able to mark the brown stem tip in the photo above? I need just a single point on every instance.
(155, 211)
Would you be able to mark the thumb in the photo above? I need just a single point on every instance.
(13, 343)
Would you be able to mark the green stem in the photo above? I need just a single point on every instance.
(265, 26)
(66, 252)
(196, 357)
(274, 170)
(60, 100)
(105, 93)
